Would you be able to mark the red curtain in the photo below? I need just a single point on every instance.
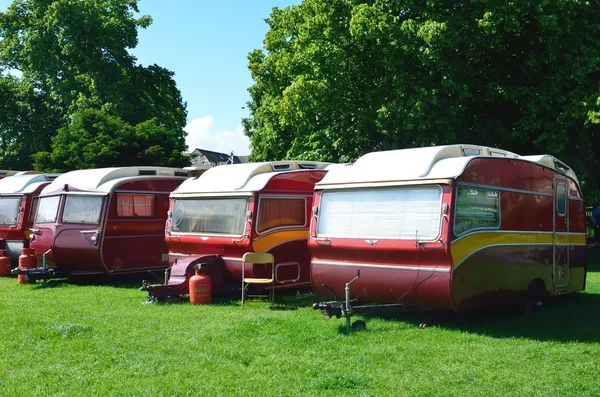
(277, 212)
(135, 205)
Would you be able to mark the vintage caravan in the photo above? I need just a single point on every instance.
(229, 210)
(105, 220)
(452, 227)
(18, 198)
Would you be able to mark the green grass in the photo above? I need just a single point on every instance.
(81, 339)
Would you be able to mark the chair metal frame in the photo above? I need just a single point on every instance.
(258, 258)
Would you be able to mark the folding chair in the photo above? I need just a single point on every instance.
(257, 259)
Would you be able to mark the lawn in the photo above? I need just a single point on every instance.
(74, 339)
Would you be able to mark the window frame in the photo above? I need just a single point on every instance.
(439, 193)
(282, 227)
(565, 197)
(35, 200)
(197, 198)
(58, 209)
(64, 208)
(19, 201)
(117, 196)
(475, 229)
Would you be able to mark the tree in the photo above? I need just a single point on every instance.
(339, 78)
(73, 64)
(96, 139)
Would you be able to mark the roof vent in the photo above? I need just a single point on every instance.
(147, 172)
(307, 166)
(560, 166)
(281, 167)
(471, 152)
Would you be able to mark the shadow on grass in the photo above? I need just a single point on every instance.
(592, 259)
(128, 281)
(570, 318)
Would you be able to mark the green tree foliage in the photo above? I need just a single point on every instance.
(339, 78)
(76, 76)
(95, 139)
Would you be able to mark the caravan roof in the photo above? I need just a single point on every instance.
(248, 177)
(104, 179)
(24, 183)
(435, 162)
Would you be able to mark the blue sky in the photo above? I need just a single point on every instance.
(205, 43)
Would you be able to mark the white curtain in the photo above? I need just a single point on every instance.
(82, 209)
(380, 213)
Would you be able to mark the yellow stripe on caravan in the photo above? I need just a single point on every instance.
(265, 243)
(463, 247)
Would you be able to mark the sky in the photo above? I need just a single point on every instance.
(206, 43)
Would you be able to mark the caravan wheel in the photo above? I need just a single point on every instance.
(359, 325)
(535, 294)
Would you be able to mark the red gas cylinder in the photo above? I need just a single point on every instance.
(4, 264)
(27, 260)
(200, 289)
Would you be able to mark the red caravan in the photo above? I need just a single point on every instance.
(233, 209)
(453, 227)
(18, 198)
(104, 221)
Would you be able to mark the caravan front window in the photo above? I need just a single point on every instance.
(378, 213)
(47, 209)
(225, 216)
(9, 210)
(476, 208)
(82, 209)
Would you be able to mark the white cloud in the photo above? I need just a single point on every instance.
(202, 134)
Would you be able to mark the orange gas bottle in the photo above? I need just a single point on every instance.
(27, 260)
(200, 289)
(4, 264)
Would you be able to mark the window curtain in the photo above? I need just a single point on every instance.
(135, 205)
(82, 209)
(277, 212)
(394, 213)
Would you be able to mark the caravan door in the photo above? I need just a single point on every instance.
(560, 235)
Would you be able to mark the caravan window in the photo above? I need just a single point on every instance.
(226, 216)
(47, 209)
(393, 213)
(135, 205)
(561, 199)
(9, 210)
(476, 208)
(33, 210)
(82, 209)
(280, 212)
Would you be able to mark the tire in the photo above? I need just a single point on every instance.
(359, 325)
(535, 294)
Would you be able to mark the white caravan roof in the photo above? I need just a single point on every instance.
(102, 180)
(434, 162)
(245, 177)
(24, 183)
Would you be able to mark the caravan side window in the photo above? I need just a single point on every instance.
(135, 205)
(280, 212)
(476, 208)
(82, 209)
